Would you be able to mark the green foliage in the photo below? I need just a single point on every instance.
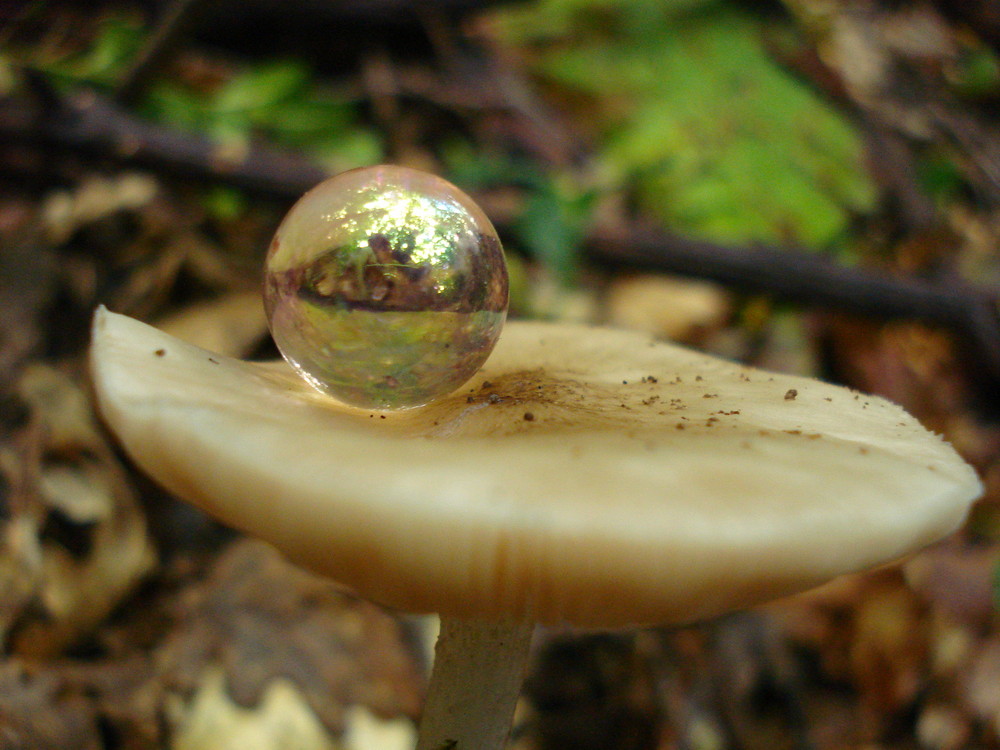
(225, 203)
(10, 81)
(940, 176)
(976, 71)
(553, 218)
(552, 226)
(277, 100)
(698, 121)
(99, 64)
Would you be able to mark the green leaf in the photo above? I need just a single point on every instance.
(556, 211)
(277, 100)
(306, 122)
(976, 71)
(10, 81)
(225, 203)
(552, 226)
(169, 103)
(940, 176)
(113, 49)
(104, 60)
(348, 148)
(474, 169)
(698, 122)
(257, 90)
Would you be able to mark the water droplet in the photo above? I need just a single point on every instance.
(386, 287)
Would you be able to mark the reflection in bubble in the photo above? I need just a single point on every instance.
(386, 287)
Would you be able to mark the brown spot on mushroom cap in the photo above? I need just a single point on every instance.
(474, 512)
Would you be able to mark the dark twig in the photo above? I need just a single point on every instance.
(91, 125)
(176, 18)
(816, 282)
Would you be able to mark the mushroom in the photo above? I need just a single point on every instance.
(585, 476)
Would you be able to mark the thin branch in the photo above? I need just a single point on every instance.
(814, 282)
(175, 20)
(91, 125)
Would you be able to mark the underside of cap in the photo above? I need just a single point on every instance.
(584, 475)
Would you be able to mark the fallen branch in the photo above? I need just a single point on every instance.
(814, 281)
(91, 125)
(175, 19)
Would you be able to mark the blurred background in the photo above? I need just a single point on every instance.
(807, 186)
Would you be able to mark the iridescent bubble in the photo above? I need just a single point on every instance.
(386, 287)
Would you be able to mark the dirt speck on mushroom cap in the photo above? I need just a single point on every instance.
(588, 513)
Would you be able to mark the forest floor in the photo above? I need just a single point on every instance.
(805, 186)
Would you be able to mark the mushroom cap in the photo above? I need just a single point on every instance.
(584, 475)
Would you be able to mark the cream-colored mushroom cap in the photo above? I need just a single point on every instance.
(584, 475)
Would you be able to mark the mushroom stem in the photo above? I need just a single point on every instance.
(477, 676)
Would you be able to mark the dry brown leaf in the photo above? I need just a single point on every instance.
(889, 649)
(667, 307)
(281, 720)
(38, 713)
(908, 363)
(77, 529)
(982, 684)
(95, 198)
(959, 581)
(259, 618)
(943, 727)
